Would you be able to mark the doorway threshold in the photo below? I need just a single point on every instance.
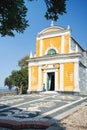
(50, 92)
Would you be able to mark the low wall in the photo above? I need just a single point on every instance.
(7, 93)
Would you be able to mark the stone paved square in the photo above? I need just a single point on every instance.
(41, 106)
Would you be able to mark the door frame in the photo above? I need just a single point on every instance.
(49, 70)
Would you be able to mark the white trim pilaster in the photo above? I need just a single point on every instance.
(45, 79)
(76, 48)
(70, 44)
(39, 78)
(76, 77)
(29, 79)
(61, 77)
(56, 80)
(62, 44)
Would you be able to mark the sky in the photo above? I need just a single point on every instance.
(12, 49)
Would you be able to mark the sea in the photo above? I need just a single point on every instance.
(4, 89)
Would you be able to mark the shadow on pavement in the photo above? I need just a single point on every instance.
(15, 119)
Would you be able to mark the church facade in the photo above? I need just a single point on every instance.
(59, 62)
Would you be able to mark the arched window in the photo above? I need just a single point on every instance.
(51, 52)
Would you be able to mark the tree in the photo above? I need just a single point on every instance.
(12, 17)
(8, 82)
(23, 63)
(54, 8)
(13, 14)
(19, 78)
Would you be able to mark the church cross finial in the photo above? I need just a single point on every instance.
(52, 23)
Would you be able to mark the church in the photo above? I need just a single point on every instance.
(60, 63)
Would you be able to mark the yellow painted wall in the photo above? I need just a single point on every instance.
(55, 42)
(66, 43)
(37, 48)
(68, 76)
(46, 45)
(34, 78)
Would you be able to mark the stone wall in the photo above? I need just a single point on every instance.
(82, 78)
(75, 47)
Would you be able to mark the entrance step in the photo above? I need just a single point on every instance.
(49, 92)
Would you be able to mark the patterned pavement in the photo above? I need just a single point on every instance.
(37, 107)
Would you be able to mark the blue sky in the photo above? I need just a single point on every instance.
(13, 49)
